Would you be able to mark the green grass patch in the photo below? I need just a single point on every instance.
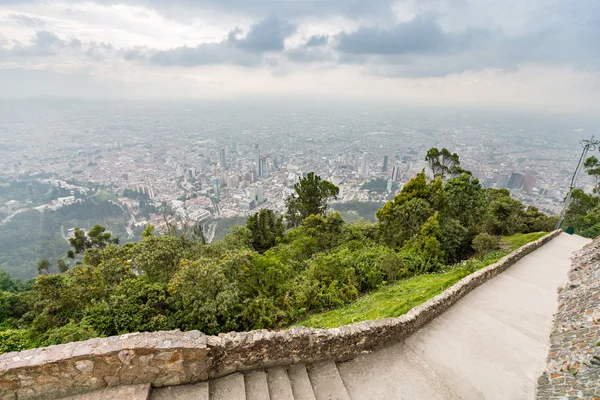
(397, 299)
(105, 195)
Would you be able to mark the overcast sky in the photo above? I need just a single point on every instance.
(510, 53)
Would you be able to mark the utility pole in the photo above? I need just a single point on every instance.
(588, 145)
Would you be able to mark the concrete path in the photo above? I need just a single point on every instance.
(492, 344)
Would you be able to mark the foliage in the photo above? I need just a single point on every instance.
(266, 229)
(484, 243)
(592, 167)
(312, 195)
(443, 163)
(397, 299)
(30, 236)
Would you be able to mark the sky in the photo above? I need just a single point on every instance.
(517, 54)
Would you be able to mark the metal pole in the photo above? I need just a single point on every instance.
(587, 146)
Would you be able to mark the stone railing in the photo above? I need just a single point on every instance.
(174, 358)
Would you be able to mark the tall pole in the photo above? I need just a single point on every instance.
(587, 146)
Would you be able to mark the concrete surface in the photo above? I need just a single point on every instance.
(129, 392)
(300, 381)
(492, 344)
(198, 391)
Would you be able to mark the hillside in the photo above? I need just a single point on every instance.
(262, 275)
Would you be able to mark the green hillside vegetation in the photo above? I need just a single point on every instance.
(32, 235)
(397, 299)
(271, 273)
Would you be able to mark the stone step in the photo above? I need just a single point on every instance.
(231, 387)
(198, 391)
(257, 387)
(301, 385)
(280, 387)
(326, 382)
(129, 392)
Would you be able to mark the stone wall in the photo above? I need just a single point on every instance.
(573, 364)
(173, 358)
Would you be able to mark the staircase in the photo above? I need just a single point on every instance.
(297, 382)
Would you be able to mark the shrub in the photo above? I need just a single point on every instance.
(484, 243)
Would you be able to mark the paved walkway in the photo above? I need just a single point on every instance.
(492, 344)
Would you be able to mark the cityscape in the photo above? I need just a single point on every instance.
(210, 162)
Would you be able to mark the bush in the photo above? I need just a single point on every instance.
(484, 243)
(16, 340)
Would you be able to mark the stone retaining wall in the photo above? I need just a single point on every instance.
(173, 358)
(573, 364)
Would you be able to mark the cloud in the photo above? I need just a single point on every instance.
(422, 35)
(49, 44)
(25, 20)
(317, 40)
(266, 36)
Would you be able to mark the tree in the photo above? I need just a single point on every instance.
(592, 167)
(97, 238)
(312, 195)
(443, 163)
(62, 265)
(266, 229)
(43, 267)
(79, 242)
(403, 217)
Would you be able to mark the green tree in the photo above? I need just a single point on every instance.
(62, 265)
(312, 195)
(504, 214)
(97, 238)
(592, 167)
(100, 238)
(79, 242)
(403, 217)
(266, 229)
(443, 163)
(43, 267)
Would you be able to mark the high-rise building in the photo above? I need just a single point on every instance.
(264, 167)
(516, 181)
(390, 184)
(260, 194)
(385, 163)
(252, 193)
(364, 166)
(217, 187)
(234, 147)
(257, 159)
(395, 173)
(528, 182)
(223, 159)
(232, 182)
(201, 163)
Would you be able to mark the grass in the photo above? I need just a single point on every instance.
(397, 299)
(105, 195)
